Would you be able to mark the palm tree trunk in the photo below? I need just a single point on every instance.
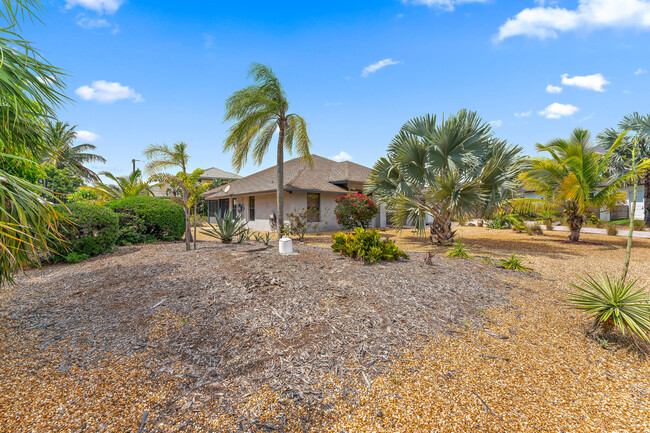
(575, 225)
(280, 186)
(440, 231)
(628, 250)
(195, 207)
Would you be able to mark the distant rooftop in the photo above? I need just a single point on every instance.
(216, 173)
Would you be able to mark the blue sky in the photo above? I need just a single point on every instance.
(143, 72)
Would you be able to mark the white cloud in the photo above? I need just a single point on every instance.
(556, 110)
(99, 6)
(496, 123)
(640, 71)
(546, 22)
(371, 69)
(593, 82)
(447, 5)
(86, 136)
(524, 114)
(107, 92)
(553, 89)
(92, 23)
(342, 156)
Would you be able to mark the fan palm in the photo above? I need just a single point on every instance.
(576, 178)
(31, 90)
(260, 110)
(452, 169)
(123, 186)
(73, 157)
(639, 126)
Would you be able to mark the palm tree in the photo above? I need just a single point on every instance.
(162, 157)
(576, 178)
(73, 157)
(452, 169)
(259, 111)
(123, 186)
(640, 127)
(27, 222)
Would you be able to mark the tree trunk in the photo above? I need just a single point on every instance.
(575, 225)
(188, 231)
(195, 207)
(646, 199)
(441, 232)
(280, 179)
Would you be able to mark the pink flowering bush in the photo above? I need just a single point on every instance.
(355, 210)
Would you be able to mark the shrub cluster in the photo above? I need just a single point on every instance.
(89, 230)
(366, 245)
(355, 210)
(147, 219)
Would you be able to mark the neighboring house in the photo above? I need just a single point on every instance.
(254, 197)
(209, 175)
(623, 212)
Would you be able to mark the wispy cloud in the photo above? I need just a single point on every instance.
(553, 89)
(640, 71)
(371, 69)
(524, 114)
(86, 136)
(99, 6)
(496, 123)
(594, 82)
(557, 110)
(545, 22)
(107, 92)
(92, 23)
(342, 156)
(447, 5)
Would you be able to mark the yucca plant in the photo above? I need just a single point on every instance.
(458, 251)
(228, 228)
(614, 302)
(513, 263)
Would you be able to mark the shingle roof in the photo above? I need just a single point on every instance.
(298, 176)
(216, 173)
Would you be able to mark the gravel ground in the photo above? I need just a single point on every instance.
(193, 338)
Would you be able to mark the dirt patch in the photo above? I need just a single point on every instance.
(210, 327)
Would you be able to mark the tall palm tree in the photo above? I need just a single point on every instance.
(27, 222)
(163, 157)
(123, 186)
(259, 111)
(68, 155)
(452, 169)
(577, 178)
(639, 126)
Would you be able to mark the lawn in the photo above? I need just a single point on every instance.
(232, 338)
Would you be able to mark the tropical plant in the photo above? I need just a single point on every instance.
(32, 91)
(84, 194)
(259, 110)
(639, 127)
(163, 157)
(576, 178)
(62, 182)
(147, 219)
(61, 136)
(229, 227)
(355, 210)
(264, 238)
(452, 169)
(366, 245)
(458, 251)
(513, 263)
(614, 302)
(90, 230)
(131, 185)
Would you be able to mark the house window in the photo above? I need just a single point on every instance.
(235, 211)
(313, 208)
(251, 208)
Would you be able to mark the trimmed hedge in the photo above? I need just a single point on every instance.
(146, 219)
(90, 230)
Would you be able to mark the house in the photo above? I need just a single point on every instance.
(254, 197)
(622, 212)
(209, 175)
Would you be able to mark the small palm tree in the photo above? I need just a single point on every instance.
(260, 110)
(61, 136)
(123, 186)
(639, 126)
(576, 178)
(163, 157)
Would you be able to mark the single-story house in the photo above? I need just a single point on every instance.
(254, 197)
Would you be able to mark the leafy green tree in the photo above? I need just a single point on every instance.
(259, 111)
(62, 182)
(577, 178)
(452, 169)
(123, 186)
(639, 126)
(61, 136)
(32, 91)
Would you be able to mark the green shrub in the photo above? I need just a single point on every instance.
(639, 225)
(298, 222)
(90, 229)
(73, 258)
(536, 229)
(513, 263)
(366, 245)
(458, 251)
(612, 230)
(355, 210)
(145, 219)
(229, 227)
(614, 302)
